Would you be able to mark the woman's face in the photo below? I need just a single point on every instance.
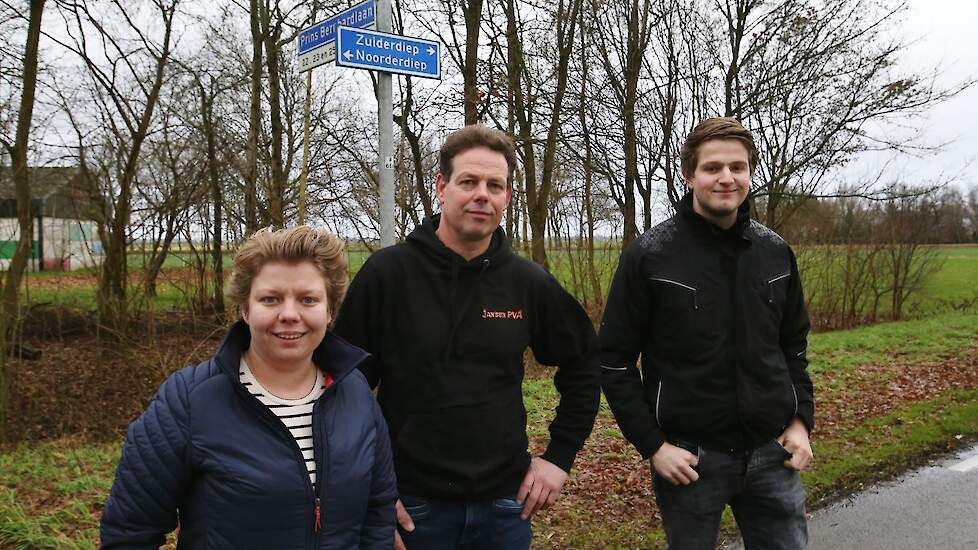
(287, 313)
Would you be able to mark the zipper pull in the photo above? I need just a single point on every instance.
(318, 524)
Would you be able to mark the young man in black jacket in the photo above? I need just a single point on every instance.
(447, 316)
(712, 302)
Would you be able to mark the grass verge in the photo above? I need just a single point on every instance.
(51, 494)
(888, 445)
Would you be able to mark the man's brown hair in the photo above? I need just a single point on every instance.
(293, 245)
(472, 136)
(715, 128)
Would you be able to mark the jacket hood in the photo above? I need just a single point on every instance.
(334, 355)
(427, 240)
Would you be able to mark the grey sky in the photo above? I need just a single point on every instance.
(945, 31)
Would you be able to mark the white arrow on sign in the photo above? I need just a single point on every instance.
(347, 54)
(431, 51)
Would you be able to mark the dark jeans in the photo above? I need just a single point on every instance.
(484, 525)
(768, 501)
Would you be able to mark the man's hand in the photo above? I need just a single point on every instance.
(540, 486)
(795, 440)
(406, 523)
(675, 464)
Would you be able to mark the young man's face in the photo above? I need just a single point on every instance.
(474, 198)
(720, 181)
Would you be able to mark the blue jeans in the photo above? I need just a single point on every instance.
(482, 525)
(768, 501)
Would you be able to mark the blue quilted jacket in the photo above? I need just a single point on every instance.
(208, 454)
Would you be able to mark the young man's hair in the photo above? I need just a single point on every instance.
(715, 128)
(292, 246)
(472, 136)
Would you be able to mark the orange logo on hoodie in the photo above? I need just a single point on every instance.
(505, 314)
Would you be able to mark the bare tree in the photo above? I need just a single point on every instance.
(272, 22)
(254, 122)
(116, 49)
(441, 18)
(817, 83)
(9, 312)
(521, 80)
(622, 53)
(166, 191)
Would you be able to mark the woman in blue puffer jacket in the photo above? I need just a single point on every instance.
(276, 442)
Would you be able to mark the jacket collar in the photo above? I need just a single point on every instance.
(706, 228)
(334, 355)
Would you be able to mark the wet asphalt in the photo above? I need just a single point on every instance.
(932, 508)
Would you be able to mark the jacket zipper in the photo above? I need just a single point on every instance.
(658, 395)
(283, 431)
(677, 283)
(770, 286)
(322, 465)
(318, 524)
(795, 393)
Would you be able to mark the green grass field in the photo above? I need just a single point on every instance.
(953, 287)
(957, 280)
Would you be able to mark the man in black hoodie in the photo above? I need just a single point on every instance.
(712, 302)
(447, 316)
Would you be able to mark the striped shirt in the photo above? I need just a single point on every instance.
(296, 414)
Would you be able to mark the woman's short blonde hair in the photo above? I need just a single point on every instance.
(292, 245)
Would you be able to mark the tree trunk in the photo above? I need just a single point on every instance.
(597, 296)
(736, 24)
(277, 189)
(10, 314)
(566, 27)
(112, 286)
(473, 19)
(217, 197)
(538, 196)
(254, 126)
(414, 142)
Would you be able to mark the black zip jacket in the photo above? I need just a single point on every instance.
(448, 338)
(719, 319)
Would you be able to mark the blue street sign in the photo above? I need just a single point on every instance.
(317, 44)
(392, 53)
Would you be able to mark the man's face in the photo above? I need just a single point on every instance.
(721, 180)
(474, 198)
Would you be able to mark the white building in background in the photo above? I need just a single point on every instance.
(65, 237)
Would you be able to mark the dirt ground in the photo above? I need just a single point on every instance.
(89, 384)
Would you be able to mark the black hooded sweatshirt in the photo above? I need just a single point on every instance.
(448, 338)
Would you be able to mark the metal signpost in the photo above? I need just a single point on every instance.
(387, 53)
(379, 51)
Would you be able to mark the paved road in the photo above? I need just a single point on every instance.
(933, 508)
